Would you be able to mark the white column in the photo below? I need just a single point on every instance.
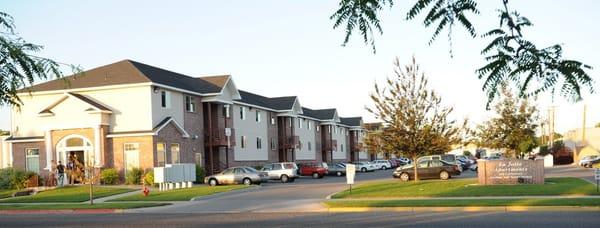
(97, 154)
(49, 156)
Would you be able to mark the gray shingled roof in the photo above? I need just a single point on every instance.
(276, 103)
(126, 72)
(351, 121)
(321, 114)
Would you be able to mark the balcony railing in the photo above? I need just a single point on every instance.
(330, 145)
(219, 137)
(290, 142)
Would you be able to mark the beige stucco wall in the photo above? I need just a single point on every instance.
(130, 106)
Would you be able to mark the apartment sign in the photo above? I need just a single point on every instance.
(510, 171)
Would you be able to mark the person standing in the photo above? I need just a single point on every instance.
(60, 171)
(71, 169)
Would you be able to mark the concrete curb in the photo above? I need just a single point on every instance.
(62, 211)
(212, 196)
(462, 209)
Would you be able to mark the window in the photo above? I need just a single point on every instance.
(309, 146)
(226, 111)
(273, 144)
(175, 153)
(257, 116)
(423, 164)
(243, 142)
(258, 143)
(342, 148)
(165, 99)
(277, 166)
(32, 159)
(272, 119)
(190, 106)
(317, 127)
(308, 125)
(160, 154)
(243, 113)
(300, 122)
(291, 121)
(131, 155)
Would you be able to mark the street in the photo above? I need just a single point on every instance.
(371, 219)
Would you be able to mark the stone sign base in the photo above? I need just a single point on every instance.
(510, 171)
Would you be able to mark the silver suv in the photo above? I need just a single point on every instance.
(284, 171)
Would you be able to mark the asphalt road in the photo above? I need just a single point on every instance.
(372, 219)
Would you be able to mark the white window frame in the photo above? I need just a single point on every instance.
(125, 149)
(258, 143)
(27, 156)
(300, 123)
(167, 97)
(226, 109)
(309, 124)
(258, 116)
(243, 143)
(190, 106)
(273, 144)
(178, 153)
(164, 154)
(242, 112)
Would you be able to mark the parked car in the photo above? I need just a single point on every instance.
(404, 161)
(236, 175)
(283, 171)
(591, 162)
(427, 169)
(464, 161)
(364, 166)
(382, 164)
(448, 158)
(314, 169)
(338, 169)
(586, 159)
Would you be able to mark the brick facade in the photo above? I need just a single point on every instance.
(18, 153)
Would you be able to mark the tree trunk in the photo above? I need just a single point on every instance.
(415, 168)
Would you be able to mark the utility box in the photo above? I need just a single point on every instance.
(175, 176)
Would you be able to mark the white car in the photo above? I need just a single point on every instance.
(382, 164)
(586, 159)
(364, 166)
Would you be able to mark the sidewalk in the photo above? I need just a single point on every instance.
(472, 197)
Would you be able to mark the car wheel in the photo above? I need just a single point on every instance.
(364, 170)
(404, 177)
(339, 174)
(444, 175)
(212, 182)
(383, 168)
(247, 181)
(315, 175)
(284, 178)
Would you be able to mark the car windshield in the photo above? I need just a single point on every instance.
(250, 170)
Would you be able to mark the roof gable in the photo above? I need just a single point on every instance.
(92, 105)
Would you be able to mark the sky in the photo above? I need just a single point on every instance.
(282, 48)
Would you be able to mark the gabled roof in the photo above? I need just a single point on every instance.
(95, 105)
(90, 102)
(126, 72)
(321, 114)
(218, 80)
(275, 103)
(351, 121)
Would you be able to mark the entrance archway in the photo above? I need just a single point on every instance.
(74, 145)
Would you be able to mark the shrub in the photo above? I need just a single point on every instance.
(109, 176)
(134, 176)
(149, 178)
(11, 178)
(544, 150)
(200, 174)
(467, 153)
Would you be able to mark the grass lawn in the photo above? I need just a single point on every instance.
(463, 203)
(79, 206)
(468, 187)
(67, 194)
(5, 193)
(184, 194)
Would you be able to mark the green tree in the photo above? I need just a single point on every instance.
(19, 67)
(415, 122)
(510, 56)
(513, 128)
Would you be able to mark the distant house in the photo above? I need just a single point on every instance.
(590, 145)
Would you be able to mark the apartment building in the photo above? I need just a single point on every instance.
(128, 114)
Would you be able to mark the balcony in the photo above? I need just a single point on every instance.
(357, 147)
(330, 145)
(219, 137)
(291, 142)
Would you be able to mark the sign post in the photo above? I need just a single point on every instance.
(350, 173)
(597, 177)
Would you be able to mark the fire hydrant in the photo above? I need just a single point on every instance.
(146, 191)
